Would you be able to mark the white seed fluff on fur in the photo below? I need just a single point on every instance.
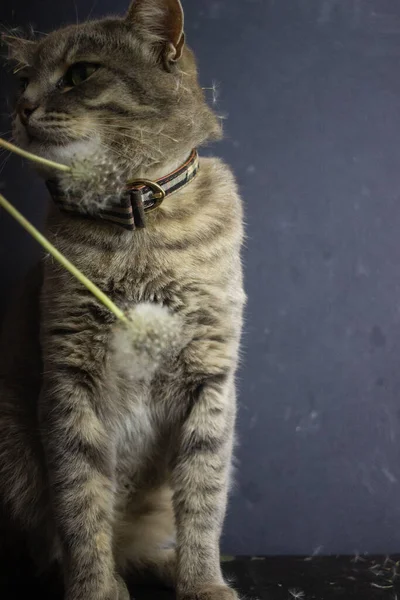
(94, 182)
(153, 334)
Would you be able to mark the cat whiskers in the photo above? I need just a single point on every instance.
(150, 150)
(142, 130)
(91, 10)
(120, 128)
(5, 152)
(92, 137)
(4, 133)
(4, 162)
(123, 138)
(78, 30)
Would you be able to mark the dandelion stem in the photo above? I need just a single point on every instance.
(101, 297)
(33, 157)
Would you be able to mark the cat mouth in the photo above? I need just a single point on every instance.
(54, 142)
(45, 136)
(36, 133)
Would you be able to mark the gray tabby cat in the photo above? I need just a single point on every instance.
(101, 468)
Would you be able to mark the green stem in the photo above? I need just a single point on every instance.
(33, 157)
(101, 297)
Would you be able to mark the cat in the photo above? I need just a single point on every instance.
(110, 469)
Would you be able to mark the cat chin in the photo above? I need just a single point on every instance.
(67, 153)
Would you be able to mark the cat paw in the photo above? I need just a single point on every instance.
(211, 592)
(116, 591)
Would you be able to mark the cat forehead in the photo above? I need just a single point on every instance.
(85, 41)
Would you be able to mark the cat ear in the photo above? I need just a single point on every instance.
(161, 23)
(19, 49)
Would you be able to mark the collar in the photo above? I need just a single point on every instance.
(141, 196)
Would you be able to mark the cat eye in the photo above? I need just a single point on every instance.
(77, 74)
(23, 83)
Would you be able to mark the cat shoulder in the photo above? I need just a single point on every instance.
(221, 180)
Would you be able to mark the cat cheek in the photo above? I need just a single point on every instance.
(19, 132)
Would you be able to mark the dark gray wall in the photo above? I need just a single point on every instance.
(312, 90)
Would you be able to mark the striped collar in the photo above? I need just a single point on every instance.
(141, 196)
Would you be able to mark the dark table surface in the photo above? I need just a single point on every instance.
(273, 578)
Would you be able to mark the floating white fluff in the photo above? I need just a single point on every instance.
(152, 335)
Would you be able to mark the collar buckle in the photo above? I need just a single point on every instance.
(158, 192)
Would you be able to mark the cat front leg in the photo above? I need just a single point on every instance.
(201, 481)
(80, 459)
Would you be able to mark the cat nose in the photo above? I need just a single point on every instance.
(25, 110)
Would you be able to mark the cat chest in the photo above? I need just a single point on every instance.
(143, 426)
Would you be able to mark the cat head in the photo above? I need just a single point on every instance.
(127, 86)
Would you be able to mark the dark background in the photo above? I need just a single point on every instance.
(311, 89)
